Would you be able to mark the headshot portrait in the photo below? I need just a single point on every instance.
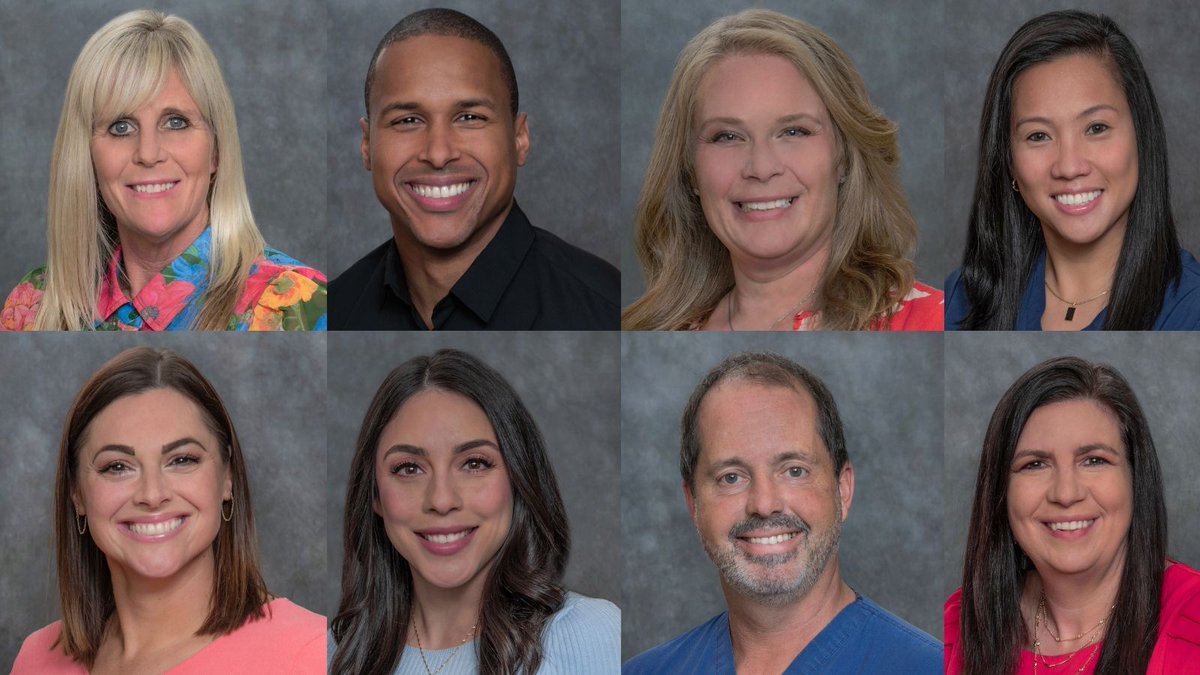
(459, 115)
(172, 510)
(135, 203)
(1070, 222)
(468, 540)
(781, 207)
(1069, 498)
(776, 509)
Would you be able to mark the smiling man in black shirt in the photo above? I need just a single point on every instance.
(443, 139)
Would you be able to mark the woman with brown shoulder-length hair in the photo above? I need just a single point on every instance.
(1066, 565)
(157, 555)
(456, 537)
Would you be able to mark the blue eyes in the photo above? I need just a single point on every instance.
(126, 127)
(730, 137)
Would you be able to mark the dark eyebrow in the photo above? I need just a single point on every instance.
(127, 450)
(1081, 450)
(413, 106)
(1086, 113)
(403, 106)
(476, 103)
(460, 448)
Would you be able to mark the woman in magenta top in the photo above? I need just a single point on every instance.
(1066, 568)
(157, 555)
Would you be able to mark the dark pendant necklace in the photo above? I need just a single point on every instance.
(1070, 316)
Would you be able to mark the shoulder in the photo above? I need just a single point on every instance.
(21, 305)
(40, 655)
(573, 265)
(284, 294)
(288, 638)
(1180, 616)
(584, 636)
(921, 309)
(1181, 305)
(903, 645)
(351, 291)
(356, 276)
(957, 305)
(951, 627)
(687, 653)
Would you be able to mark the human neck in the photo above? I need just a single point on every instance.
(430, 272)
(155, 614)
(1077, 272)
(142, 259)
(763, 294)
(767, 638)
(445, 617)
(1075, 603)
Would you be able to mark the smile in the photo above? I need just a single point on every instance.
(446, 538)
(747, 207)
(440, 191)
(773, 539)
(154, 188)
(155, 529)
(1078, 199)
(1072, 525)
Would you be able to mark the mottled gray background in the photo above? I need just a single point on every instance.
(272, 57)
(1165, 35)
(274, 389)
(1162, 369)
(889, 393)
(570, 384)
(897, 47)
(565, 55)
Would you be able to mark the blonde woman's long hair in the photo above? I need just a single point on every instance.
(122, 66)
(688, 270)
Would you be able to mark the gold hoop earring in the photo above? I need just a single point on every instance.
(78, 528)
(230, 516)
(1014, 186)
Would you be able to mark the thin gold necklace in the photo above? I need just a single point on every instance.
(1071, 305)
(453, 652)
(729, 307)
(1043, 615)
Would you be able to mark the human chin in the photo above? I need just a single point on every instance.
(1096, 222)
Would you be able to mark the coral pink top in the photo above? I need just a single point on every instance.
(290, 639)
(1177, 649)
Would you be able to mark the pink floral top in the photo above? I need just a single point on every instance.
(280, 294)
(921, 309)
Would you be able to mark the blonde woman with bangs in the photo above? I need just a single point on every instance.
(149, 222)
(772, 200)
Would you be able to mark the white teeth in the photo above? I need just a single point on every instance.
(1078, 199)
(1072, 525)
(446, 538)
(155, 529)
(440, 191)
(766, 206)
(157, 187)
(773, 539)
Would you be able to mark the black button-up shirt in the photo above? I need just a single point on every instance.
(524, 279)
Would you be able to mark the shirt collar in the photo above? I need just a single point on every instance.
(171, 292)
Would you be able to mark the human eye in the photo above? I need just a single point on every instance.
(117, 467)
(1038, 137)
(176, 122)
(183, 461)
(723, 137)
(472, 118)
(1093, 460)
(795, 132)
(478, 464)
(406, 469)
(1032, 465)
(796, 472)
(1097, 128)
(121, 128)
(405, 121)
(729, 479)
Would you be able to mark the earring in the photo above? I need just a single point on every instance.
(230, 516)
(1014, 186)
(78, 519)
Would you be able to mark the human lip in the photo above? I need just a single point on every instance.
(763, 204)
(769, 538)
(1070, 529)
(153, 187)
(440, 194)
(153, 529)
(446, 540)
(1077, 203)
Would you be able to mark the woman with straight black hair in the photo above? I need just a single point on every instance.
(1066, 567)
(455, 533)
(1071, 226)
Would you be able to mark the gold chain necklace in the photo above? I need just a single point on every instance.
(1070, 316)
(453, 652)
(1042, 615)
(729, 307)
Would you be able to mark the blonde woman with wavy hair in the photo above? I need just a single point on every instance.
(773, 192)
(149, 225)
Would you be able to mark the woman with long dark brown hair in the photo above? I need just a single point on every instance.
(456, 537)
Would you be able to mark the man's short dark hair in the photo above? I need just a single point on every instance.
(447, 23)
(770, 370)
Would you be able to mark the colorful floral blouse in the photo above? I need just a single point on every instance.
(281, 294)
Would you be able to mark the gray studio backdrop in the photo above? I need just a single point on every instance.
(565, 56)
(274, 389)
(1162, 369)
(889, 392)
(570, 383)
(897, 47)
(1164, 33)
(272, 56)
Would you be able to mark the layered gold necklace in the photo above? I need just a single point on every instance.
(1041, 617)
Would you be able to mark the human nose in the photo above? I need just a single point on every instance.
(441, 495)
(1066, 488)
(152, 489)
(149, 148)
(1071, 161)
(762, 162)
(765, 498)
(440, 146)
